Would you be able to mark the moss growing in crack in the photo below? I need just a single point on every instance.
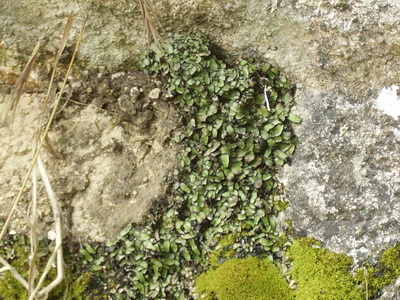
(225, 250)
(77, 288)
(322, 274)
(373, 278)
(248, 278)
(319, 273)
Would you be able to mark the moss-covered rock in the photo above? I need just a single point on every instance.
(249, 278)
(322, 274)
(375, 278)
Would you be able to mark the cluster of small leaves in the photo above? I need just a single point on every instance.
(233, 147)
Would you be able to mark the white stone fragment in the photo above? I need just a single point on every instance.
(154, 93)
(51, 235)
(389, 102)
(116, 75)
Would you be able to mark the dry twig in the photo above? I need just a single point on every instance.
(37, 292)
(150, 28)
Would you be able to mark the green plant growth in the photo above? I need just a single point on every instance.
(248, 278)
(16, 249)
(225, 250)
(373, 278)
(321, 274)
(233, 146)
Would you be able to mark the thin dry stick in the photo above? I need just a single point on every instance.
(14, 272)
(57, 213)
(46, 290)
(23, 77)
(150, 29)
(58, 247)
(63, 44)
(366, 283)
(16, 95)
(266, 98)
(34, 239)
(3, 269)
(43, 138)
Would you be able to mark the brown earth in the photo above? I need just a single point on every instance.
(109, 157)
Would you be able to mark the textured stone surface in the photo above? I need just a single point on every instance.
(344, 182)
(344, 56)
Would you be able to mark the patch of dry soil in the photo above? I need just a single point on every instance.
(111, 153)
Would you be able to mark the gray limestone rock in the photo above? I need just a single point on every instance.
(344, 182)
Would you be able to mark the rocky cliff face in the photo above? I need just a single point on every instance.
(344, 56)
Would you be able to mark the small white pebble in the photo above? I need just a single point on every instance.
(155, 93)
(116, 75)
(51, 235)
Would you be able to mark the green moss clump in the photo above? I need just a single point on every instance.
(77, 289)
(391, 261)
(249, 278)
(322, 274)
(73, 287)
(225, 251)
(374, 278)
(15, 251)
(11, 289)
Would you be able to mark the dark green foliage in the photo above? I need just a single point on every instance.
(249, 278)
(233, 148)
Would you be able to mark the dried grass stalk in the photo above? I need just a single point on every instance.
(58, 251)
(150, 28)
(37, 292)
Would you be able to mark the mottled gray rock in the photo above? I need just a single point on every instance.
(344, 182)
(391, 292)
